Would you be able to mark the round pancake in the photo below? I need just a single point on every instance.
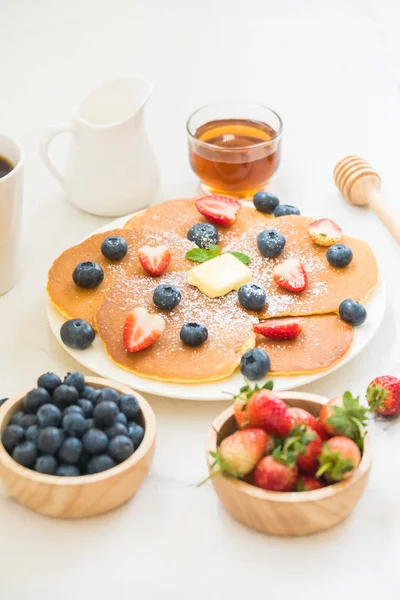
(229, 332)
(327, 286)
(323, 341)
(178, 216)
(75, 302)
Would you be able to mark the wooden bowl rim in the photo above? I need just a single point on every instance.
(97, 382)
(288, 497)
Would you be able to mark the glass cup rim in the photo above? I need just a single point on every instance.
(243, 102)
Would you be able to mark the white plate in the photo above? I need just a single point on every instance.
(95, 358)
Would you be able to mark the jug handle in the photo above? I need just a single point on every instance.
(44, 151)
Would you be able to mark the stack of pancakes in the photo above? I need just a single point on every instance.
(324, 338)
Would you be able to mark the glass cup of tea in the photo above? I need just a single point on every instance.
(234, 147)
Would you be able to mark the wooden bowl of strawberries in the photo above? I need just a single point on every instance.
(289, 463)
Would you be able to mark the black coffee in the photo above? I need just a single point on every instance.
(5, 166)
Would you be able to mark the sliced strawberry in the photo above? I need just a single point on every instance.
(154, 259)
(291, 275)
(278, 329)
(325, 232)
(220, 210)
(141, 329)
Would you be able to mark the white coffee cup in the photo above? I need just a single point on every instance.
(10, 213)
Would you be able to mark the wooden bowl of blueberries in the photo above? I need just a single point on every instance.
(75, 448)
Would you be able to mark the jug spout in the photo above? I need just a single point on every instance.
(115, 101)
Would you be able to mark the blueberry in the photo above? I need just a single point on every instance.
(49, 381)
(90, 423)
(136, 433)
(11, 436)
(86, 407)
(25, 454)
(255, 364)
(88, 275)
(70, 451)
(88, 389)
(121, 418)
(72, 409)
(35, 399)
(352, 312)
(65, 395)
(100, 463)
(114, 247)
(252, 296)
(166, 296)
(68, 471)
(129, 406)
(46, 464)
(75, 424)
(77, 334)
(95, 441)
(94, 396)
(105, 413)
(203, 235)
(108, 395)
(285, 209)
(50, 440)
(32, 434)
(193, 334)
(116, 429)
(339, 255)
(120, 448)
(49, 415)
(265, 202)
(27, 420)
(271, 243)
(83, 462)
(16, 418)
(76, 380)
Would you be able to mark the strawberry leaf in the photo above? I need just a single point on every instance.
(350, 419)
(242, 257)
(300, 487)
(295, 444)
(268, 386)
(202, 255)
(376, 395)
(246, 391)
(333, 464)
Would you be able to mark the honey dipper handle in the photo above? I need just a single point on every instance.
(385, 214)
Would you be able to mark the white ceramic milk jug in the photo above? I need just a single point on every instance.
(111, 167)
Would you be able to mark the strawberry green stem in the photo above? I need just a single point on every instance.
(322, 470)
(210, 476)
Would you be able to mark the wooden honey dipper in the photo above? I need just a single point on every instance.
(360, 184)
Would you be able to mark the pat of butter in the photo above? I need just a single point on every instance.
(219, 276)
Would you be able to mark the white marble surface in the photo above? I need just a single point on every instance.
(331, 69)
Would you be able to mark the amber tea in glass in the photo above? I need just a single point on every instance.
(236, 154)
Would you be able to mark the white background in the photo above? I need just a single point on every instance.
(332, 70)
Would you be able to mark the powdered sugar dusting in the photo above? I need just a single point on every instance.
(327, 286)
(229, 329)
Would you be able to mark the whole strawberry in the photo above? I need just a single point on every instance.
(306, 483)
(271, 474)
(338, 459)
(303, 417)
(268, 412)
(307, 459)
(345, 416)
(280, 472)
(383, 395)
(239, 453)
(239, 410)
(259, 407)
